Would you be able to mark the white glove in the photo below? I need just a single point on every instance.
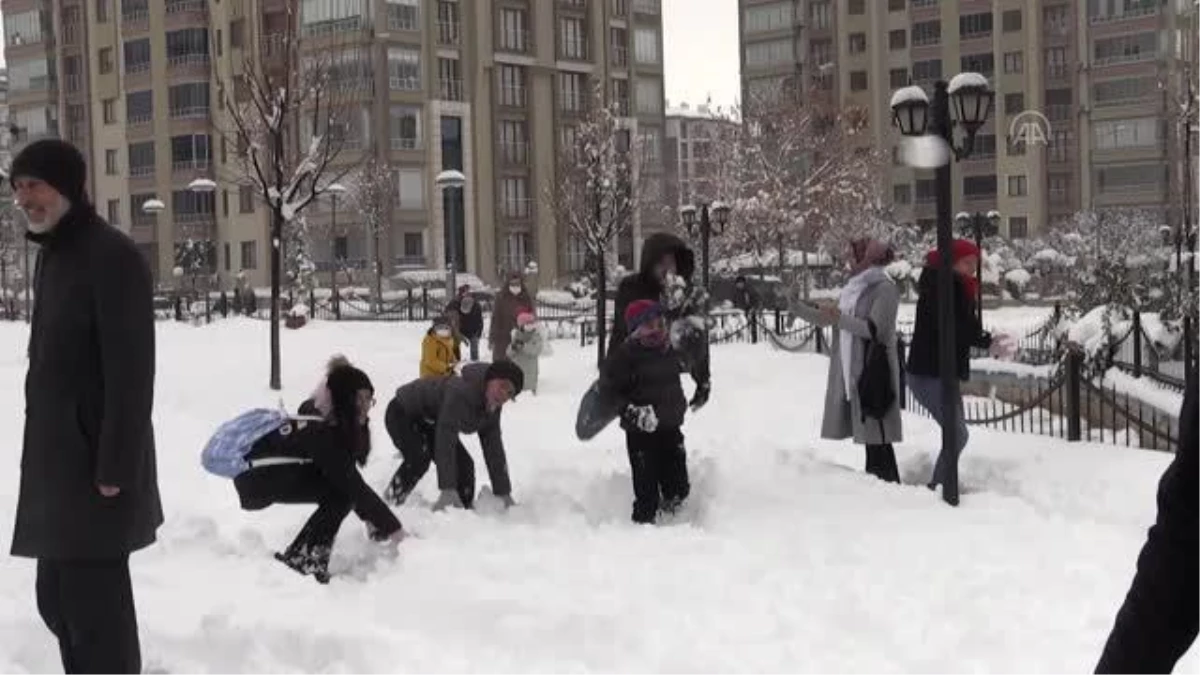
(643, 417)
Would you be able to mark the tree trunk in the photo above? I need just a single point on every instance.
(601, 305)
(276, 272)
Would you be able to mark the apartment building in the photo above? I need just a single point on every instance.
(488, 87)
(1087, 93)
(691, 133)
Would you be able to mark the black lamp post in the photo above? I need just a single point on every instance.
(970, 97)
(708, 226)
(978, 225)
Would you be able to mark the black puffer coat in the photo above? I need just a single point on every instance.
(642, 375)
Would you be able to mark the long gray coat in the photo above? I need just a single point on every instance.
(843, 419)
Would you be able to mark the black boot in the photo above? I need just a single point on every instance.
(307, 560)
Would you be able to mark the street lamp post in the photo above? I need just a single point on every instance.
(719, 217)
(914, 115)
(205, 186)
(335, 190)
(979, 225)
(448, 180)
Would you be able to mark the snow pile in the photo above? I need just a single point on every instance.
(1145, 390)
(818, 567)
(1018, 277)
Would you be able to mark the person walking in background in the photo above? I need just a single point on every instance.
(89, 482)
(316, 462)
(924, 361)
(527, 347)
(470, 319)
(425, 419)
(865, 314)
(746, 299)
(509, 302)
(439, 349)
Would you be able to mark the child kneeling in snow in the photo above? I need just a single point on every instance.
(526, 348)
(315, 460)
(440, 349)
(644, 371)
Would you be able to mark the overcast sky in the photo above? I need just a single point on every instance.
(701, 59)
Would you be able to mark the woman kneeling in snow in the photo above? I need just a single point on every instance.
(314, 462)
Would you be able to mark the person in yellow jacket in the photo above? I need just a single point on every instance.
(439, 349)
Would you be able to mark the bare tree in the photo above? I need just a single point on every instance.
(373, 191)
(595, 191)
(287, 115)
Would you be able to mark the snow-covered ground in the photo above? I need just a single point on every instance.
(788, 559)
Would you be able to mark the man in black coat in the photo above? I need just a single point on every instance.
(662, 254)
(89, 486)
(1161, 615)
(470, 319)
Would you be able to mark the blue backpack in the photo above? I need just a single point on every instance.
(225, 453)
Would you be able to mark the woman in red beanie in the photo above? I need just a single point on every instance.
(924, 360)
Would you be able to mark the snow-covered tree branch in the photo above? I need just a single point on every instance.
(373, 192)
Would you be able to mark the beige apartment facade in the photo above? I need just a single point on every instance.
(1088, 94)
(488, 87)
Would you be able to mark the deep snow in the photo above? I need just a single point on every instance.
(788, 559)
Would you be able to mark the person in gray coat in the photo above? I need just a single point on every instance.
(426, 417)
(869, 296)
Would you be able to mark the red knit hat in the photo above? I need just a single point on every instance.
(959, 249)
(639, 312)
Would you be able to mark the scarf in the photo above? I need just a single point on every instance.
(847, 303)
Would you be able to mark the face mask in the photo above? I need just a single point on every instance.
(515, 290)
(442, 332)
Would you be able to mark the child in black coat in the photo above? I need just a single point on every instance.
(644, 371)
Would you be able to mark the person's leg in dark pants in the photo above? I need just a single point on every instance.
(88, 604)
(642, 456)
(672, 471)
(928, 392)
(1158, 621)
(474, 348)
(409, 437)
(881, 462)
(310, 551)
(466, 476)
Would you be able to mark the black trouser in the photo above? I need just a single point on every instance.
(88, 605)
(473, 342)
(881, 462)
(299, 484)
(660, 475)
(414, 438)
(1157, 623)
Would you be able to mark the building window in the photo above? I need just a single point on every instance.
(193, 151)
(1014, 62)
(414, 246)
(341, 247)
(411, 188)
(620, 95)
(1056, 18)
(571, 87)
(514, 30)
(650, 144)
(137, 56)
(1018, 186)
(974, 26)
(228, 256)
(106, 60)
(926, 70)
(897, 39)
(1122, 91)
(857, 43)
(1056, 62)
(1011, 20)
(237, 33)
(404, 69)
(109, 106)
(450, 84)
(645, 45)
(577, 254)
(1018, 227)
(770, 53)
(1058, 187)
(514, 197)
(1014, 103)
(323, 17)
(188, 100)
(820, 12)
(101, 11)
(188, 46)
(246, 199)
(1125, 49)
(984, 64)
(979, 186)
(856, 7)
(926, 33)
(618, 47)
(110, 162)
(191, 207)
(926, 190)
(512, 86)
(572, 38)
(27, 28)
(896, 5)
(858, 80)
(141, 159)
(114, 212)
(902, 193)
(517, 251)
(404, 14)
(1141, 132)
(514, 141)
(249, 255)
(649, 95)
(405, 127)
(765, 18)
(898, 77)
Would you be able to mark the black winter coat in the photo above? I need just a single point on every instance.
(470, 324)
(644, 285)
(89, 395)
(642, 376)
(319, 443)
(923, 355)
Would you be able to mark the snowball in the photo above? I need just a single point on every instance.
(924, 152)
(963, 80)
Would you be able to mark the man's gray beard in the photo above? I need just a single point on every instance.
(52, 217)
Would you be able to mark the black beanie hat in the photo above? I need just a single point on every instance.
(344, 380)
(507, 370)
(55, 161)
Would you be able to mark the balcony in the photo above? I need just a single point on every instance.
(406, 143)
(516, 209)
(194, 219)
(137, 68)
(573, 50)
(273, 44)
(190, 112)
(347, 25)
(515, 41)
(191, 166)
(360, 84)
(1118, 59)
(1132, 13)
(1057, 70)
(647, 6)
(514, 153)
(513, 97)
(450, 89)
(188, 62)
(404, 83)
(144, 171)
(135, 20)
(449, 33)
(184, 6)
